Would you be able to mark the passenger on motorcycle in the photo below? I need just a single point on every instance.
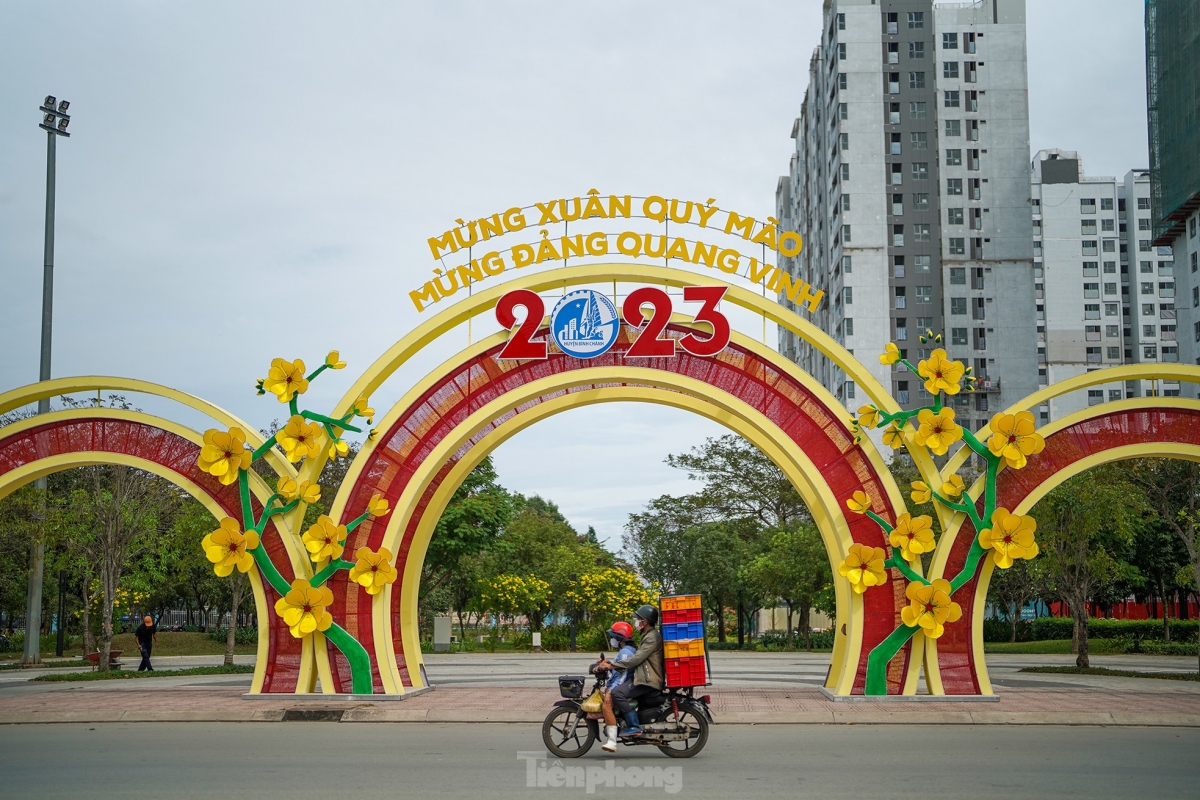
(620, 637)
(647, 666)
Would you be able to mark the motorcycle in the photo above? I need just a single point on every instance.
(675, 720)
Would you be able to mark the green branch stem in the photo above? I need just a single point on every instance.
(263, 448)
(329, 569)
(880, 521)
(330, 422)
(359, 520)
(898, 562)
(356, 654)
(884, 652)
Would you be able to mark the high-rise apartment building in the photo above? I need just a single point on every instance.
(1173, 100)
(1102, 296)
(910, 183)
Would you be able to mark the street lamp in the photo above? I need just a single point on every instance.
(54, 121)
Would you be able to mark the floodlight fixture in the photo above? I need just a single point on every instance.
(49, 120)
(63, 106)
(62, 124)
(50, 101)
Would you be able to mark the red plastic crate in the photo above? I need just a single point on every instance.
(691, 671)
(682, 615)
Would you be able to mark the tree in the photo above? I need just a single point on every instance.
(1172, 488)
(795, 568)
(655, 540)
(1012, 588)
(1085, 526)
(741, 483)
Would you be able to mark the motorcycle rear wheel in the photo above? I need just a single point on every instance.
(697, 738)
(568, 733)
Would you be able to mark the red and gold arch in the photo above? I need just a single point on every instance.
(337, 603)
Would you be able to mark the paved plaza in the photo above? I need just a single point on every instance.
(750, 688)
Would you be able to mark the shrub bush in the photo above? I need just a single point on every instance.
(1165, 648)
(240, 635)
(1143, 629)
(999, 630)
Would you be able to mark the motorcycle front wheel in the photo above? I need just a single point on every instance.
(697, 725)
(568, 733)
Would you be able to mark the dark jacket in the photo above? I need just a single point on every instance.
(647, 662)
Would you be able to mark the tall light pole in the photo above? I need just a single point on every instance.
(54, 121)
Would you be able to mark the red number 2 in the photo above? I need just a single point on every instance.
(710, 296)
(647, 344)
(519, 344)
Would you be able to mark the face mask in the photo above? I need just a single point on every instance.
(614, 643)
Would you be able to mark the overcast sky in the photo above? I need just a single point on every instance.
(253, 180)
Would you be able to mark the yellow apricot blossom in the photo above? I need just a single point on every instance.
(893, 436)
(1009, 538)
(373, 571)
(334, 360)
(1014, 438)
(868, 416)
(930, 607)
(362, 408)
(223, 454)
(937, 431)
(291, 490)
(912, 536)
(226, 548)
(339, 449)
(859, 503)
(303, 608)
(286, 379)
(863, 567)
(377, 506)
(953, 487)
(891, 354)
(920, 492)
(325, 540)
(941, 374)
(299, 438)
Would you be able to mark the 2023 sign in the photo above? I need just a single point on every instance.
(583, 323)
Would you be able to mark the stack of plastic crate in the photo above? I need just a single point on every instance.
(684, 654)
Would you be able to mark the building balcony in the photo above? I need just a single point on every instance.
(985, 386)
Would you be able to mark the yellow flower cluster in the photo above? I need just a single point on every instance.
(863, 567)
(223, 454)
(299, 439)
(1010, 537)
(912, 536)
(930, 607)
(291, 490)
(1014, 438)
(303, 608)
(286, 379)
(612, 593)
(325, 540)
(227, 547)
(372, 570)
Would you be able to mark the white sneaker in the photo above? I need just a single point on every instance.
(611, 745)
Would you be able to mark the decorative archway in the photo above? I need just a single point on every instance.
(430, 439)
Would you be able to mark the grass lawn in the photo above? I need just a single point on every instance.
(169, 644)
(125, 674)
(1098, 647)
(1119, 673)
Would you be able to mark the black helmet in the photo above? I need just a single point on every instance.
(648, 613)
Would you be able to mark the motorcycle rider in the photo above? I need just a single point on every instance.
(647, 665)
(620, 637)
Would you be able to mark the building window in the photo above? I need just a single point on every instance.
(1087, 205)
(1091, 269)
(902, 391)
(1112, 331)
(1148, 331)
(897, 205)
(958, 306)
(954, 158)
(898, 266)
(957, 246)
(921, 263)
(1091, 333)
(847, 265)
(841, 52)
(1106, 225)
(844, 141)
(845, 172)
(921, 232)
(901, 329)
(958, 336)
(1143, 203)
(845, 202)
(916, 80)
(1146, 267)
(924, 295)
(949, 41)
(954, 127)
(845, 233)
(1196, 297)
(894, 144)
(1110, 268)
(1166, 268)
(1095, 397)
(1195, 264)
(958, 276)
(949, 69)
(1110, 288)
(916, 49)
(1114, 353)
(842, 81)
(916, 110)
(843, 111)
(1087, 227)
(1170, 353)
(919, 140)
(1148, 308)
(954, 186)
(1091, 311)
(1143, 223)
(916, 19)
(1089, 247)
(954, 216)
(920, 170)
(972, 101)
(897, 236)
(1150, 351)
(921, 200)
(1143, 245)
(1147, 288)
(1106, 204)
(950, 99)
(1091, 291)
(848, 325)
(1166, 289)
(848, 295)
(897, 174)
(901, 298)
(1109, 245)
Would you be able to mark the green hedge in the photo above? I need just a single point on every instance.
(240, 635)
(998, 630)
(1044, 628)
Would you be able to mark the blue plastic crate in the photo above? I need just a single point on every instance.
(677, 631)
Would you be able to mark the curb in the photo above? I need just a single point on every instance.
(373, 714)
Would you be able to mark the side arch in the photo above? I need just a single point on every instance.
(48, 443)
(1116, 431)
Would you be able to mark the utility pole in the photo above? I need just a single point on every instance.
(54, 121)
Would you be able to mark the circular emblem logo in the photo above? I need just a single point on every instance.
(584, 323)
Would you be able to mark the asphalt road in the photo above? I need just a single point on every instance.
(300, 760)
